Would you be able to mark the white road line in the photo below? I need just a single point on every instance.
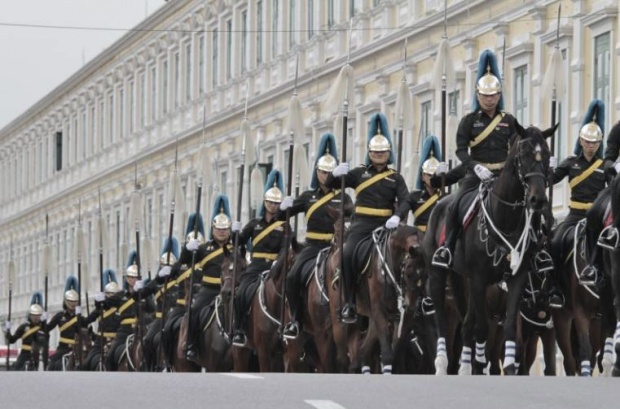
(324, 404)
(243, 376)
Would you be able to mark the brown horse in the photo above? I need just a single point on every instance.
(81, 347)
(263, 335)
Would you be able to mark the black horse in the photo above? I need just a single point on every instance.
(500, 241)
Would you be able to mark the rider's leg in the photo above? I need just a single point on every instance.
(239, 337)
(293, 295)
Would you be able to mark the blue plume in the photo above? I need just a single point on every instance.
(37, 298)
(430, 148)
(72, 284)
(327, 144)
(109, 276)
(132, 258)
(378, 122)
(487, 60)
(594, 113)
(274, 177)
(170, 245)
(220, 203)
(191, 220)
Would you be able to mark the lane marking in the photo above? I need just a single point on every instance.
(324, 404)
(244, 376)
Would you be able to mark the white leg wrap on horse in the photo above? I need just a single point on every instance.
(441, 347)
(441, 360)
(465, 368)
(617, 334)
(387, 370)
(586, 370)
(509, 355)
(365, 370)
(481, 352)
(608, 356)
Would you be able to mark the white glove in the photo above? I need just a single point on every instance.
(341, 170)
(286, 203)
(483, 173)
(44, 316)
(192, 245)
(617, 167)
(138, 285)
(441, 168)
(7, 326)
(99, 297)
(392, 222)
(78, 310)
(236, 226)
(553, 162)
(164, 272)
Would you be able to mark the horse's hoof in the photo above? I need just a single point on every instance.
(615, 372)
(510, 370)
(607, 364)
(479, 367)
(387, 370)
(365, 370)
(441, 365)
(465, 369)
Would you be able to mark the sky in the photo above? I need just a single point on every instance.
(35, 60)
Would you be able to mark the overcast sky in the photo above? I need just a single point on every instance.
(36, 60)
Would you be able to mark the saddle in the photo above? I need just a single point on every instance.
(362, 255)
(317, 266)
(468, 207)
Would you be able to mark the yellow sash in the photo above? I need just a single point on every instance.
(321, 202)
(431, 201)
(265, 232)
(373, 180)
(127, 304)
(107, 313)
(68, 324)
(202, 262)
(163, 290)
(584, 175)
(30, 332)
(487, 131)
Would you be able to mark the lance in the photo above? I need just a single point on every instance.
(12, 269)
(203, 161)
(102, 236)
(78, 247)
(553, 84)
(403, 110)
(46, 261)
(246, 144)
(136, 217)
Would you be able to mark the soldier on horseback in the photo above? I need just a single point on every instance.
(482, 146)
(587, 177)
(211, 255)
(30, 332)
(320, 227)
(610, 236)
(267, 237)
(378, 188)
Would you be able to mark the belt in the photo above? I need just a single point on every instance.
(266, 256)
(128, 321)
(158, 314)
(579, 205)
(181, 301)
(26, 348)
(319, 236)
(109, 334)
(67, 341)
(422, 228)
(212, 280)
(371, 211)
(494, 166)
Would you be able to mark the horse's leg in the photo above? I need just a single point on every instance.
(468, 335)
(481, 324)
(615, 281)
(437, 283)
(548, 338)
(582, 326)
(365, 356)
(562, 323)
(515, 289)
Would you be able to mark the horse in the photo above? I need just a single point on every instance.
(132, 358)
(263, 336)
(613, 260)
(81, 347)
(499, 244)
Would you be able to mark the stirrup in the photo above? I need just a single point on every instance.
(348, 315)
(609, 238)
(291, 331)
(556, 300)
(543, 261)
(427, 306)
(239, 340)
(439, 257)
(588, 276)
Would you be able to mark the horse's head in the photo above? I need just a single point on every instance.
(411, 263)
(228, 270)
(531, 163)
(335, 215)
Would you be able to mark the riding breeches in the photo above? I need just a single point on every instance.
(294, 277)
(453, 224)
(202, 300)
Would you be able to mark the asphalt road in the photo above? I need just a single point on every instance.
(48, 390)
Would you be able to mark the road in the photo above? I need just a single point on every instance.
(50, 390)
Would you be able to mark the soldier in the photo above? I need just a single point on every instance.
(587, 177)
(106, 306)
(378, 188)
(68, 322)
(320, 226)
(211, 255)
(482, 146)
(30, 332)
(610, 236)
(267, 235)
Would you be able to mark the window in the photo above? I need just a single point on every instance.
(93, 129)
(177, 79)
(111, 117)
(229, 49)
(425, 118)
(201, 64)
(83, 137)
(223, 181)
(102, 138)
(188, 73)
(375, 3)
(330, 13)
(310, 19)
(77, 143)
(351, 8)
(119, 257)
(143, 104)
(292, 26)
(132, 106)
(215, 59)
(153, 94)
(259, 32)
(58, 151)
(601, 67)
(453, 103)
(274, 28)
(164, 87)
(520, 94)
(121, 113)
(244, 41)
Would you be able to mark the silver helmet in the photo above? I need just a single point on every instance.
(591, 132)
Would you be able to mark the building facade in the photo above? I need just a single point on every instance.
(180, 79)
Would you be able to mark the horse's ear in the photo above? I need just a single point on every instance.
(550, 131)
